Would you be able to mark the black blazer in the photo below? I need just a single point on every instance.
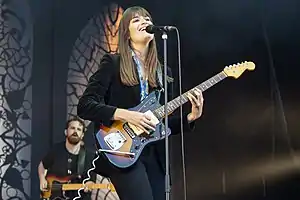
(105, 93)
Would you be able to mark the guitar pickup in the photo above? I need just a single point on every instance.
(134, 131)
(129, 130)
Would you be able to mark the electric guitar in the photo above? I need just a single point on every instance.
(122, 142)
(58, 187)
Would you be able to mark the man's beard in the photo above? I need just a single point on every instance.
(73, 139)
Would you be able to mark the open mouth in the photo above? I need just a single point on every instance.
(143, 28)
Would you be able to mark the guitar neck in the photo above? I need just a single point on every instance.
(66, 187)
(180, 100)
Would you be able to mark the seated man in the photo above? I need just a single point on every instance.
(67, 161)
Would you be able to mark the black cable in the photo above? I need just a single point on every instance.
(275, 91)
(181, 117)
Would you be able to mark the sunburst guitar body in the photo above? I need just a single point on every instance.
(58, 187)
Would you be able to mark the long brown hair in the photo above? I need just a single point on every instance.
(127, 69)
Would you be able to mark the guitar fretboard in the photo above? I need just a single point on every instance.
(73, 186)
(175, 103)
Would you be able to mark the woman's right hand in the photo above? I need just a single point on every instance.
(141, 120)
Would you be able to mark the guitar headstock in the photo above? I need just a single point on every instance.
(236, 70)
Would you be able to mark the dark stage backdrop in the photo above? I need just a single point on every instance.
(245, 145)
(16, 52)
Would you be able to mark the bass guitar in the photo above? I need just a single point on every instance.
(58, 186)
(122, 142)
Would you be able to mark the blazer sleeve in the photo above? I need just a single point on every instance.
(91, 105)
(174, 118)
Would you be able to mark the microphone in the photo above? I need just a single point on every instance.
(154, 29)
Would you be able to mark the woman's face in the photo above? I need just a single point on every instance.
(137, 32)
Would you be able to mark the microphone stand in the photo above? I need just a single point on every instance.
(167, 176)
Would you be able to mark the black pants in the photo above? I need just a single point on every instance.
(143, 181)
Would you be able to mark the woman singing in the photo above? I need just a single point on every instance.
(121, 82)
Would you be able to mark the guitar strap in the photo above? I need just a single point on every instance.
(160, 78)
(81, 160)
